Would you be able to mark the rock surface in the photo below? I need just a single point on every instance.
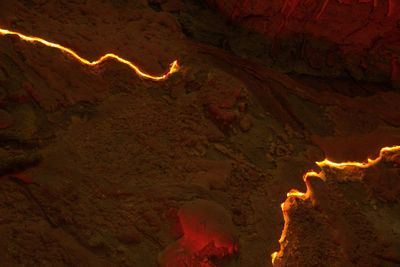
(326, 38)
(345, 210)
(101, 168)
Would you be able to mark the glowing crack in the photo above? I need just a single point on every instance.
(174, 66)
(321, 175)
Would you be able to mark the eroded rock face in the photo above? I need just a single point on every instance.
(339, 221)
(326, 37)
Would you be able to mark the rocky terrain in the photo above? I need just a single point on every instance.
(328, 38)
(101, 167)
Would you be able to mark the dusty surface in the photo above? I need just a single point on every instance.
(102, 168)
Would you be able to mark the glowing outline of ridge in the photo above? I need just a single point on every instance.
(174, 66)
(330, 164)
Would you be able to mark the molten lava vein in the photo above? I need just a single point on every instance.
(174, 67)
(321, 175)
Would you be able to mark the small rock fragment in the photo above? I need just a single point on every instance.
(245, 124)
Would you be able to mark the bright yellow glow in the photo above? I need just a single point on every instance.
(313, 174)
(304, 196)
(174, 67)
(273, 257)
(295, 193)
(370, 162)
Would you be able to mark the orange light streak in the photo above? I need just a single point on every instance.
(273, 257)
(312, 173)
(174, 66)
(363, 165)
(304, 196)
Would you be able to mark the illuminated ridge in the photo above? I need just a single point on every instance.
(174, 67)
(369, 163)
(323, 164)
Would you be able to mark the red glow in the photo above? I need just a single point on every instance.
(22, 178)
(289, 6)
(207, 232)
(391, 7)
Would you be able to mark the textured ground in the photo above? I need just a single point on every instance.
(102, 168)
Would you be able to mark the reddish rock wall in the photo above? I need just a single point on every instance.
(329, 38)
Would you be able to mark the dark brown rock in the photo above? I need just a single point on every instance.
(6, 119)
